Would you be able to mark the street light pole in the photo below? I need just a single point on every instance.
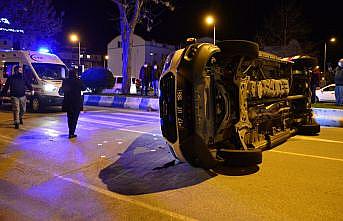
(75, 38)
(210, 20)
(324, 58)
(214, 33)
(332, 40)
(79, 54)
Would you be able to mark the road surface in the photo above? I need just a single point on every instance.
(117, 169)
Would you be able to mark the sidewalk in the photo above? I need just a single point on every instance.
(325, 114)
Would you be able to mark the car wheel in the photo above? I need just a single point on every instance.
(316, 100)
(241, 157)
(35, 105)
(233, 48)
(308, 129)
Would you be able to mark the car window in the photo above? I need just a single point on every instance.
(119, 80)
(331, 88)
(133, 80)
(8, 68)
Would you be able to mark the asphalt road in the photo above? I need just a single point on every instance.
(117, 169)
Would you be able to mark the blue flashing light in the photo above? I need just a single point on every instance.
(43, 50)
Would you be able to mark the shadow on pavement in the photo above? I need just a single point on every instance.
(148, 167)
(236, 171)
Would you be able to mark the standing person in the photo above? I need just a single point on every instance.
(339, 83)
(17, 85)
(314, 83)
(142, 77)
(72, 102)
(155, 75)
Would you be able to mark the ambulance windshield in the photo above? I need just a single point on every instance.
(49, 71)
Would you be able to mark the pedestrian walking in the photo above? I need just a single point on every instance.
(72, 102)
(339, 83)
(155, 75)
(144, 75)
(17, 85)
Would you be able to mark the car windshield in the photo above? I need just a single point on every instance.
(50, 71)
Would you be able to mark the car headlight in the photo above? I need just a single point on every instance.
(49, 87)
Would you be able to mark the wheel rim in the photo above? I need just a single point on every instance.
(35, 104)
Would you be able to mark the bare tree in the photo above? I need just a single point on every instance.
(132, 12)
(284, 24)
(37, 18)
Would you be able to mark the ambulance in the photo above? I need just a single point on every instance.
(43, 70)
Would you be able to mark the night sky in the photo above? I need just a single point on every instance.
(97, 21)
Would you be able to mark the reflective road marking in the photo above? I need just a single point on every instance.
(126, 199)
(306, 155)
(316, 139)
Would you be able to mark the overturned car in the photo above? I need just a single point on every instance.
(226, 103)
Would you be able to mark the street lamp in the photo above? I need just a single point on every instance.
(75, 38)
(210, 21)
(105, 60)
(332, 40)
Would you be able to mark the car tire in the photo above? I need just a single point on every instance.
(35, 105)
(233, 48)
(308, 129)
(316, 100)
(241, 157)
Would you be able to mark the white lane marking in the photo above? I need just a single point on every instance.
(307, 155)
(94, 111)
(140, 132)
(316, 139)
(136, 115)
(8, 139)
(114, 195)
(126, 199)
(101, 122)
(121, 118)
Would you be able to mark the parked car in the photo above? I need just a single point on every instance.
(326, 94)
(118, 82)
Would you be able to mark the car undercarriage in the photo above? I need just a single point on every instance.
(227, 103)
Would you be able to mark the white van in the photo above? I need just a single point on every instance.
(44, 71)
(118, 83)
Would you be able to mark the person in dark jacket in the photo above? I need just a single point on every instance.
(339, 83)
(17, 86)
(72, 102)
(144, 75)
(155, 75)
(314, 83)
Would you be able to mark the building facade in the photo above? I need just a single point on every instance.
(70, 57)
(142, 52)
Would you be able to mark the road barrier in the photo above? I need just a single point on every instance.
(324, 116)
(328, 117)
(138, 103)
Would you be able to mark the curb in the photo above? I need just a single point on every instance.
(323, 116)
(328, 117)
(136, 103)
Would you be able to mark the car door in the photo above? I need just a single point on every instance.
(328, 94)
